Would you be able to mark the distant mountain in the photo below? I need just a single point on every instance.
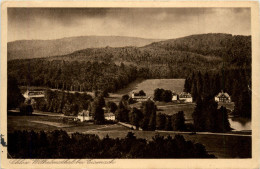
(27, 49)
(191, 50)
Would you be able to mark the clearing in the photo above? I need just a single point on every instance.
(149, 85)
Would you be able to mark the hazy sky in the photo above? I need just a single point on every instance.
(155, 23)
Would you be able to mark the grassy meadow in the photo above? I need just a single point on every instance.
(149, 85)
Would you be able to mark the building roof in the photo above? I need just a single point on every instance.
(184, 94)
(33, 94)
(109, 114)
(85, 113)
(137, 94)
(36, 92)
(222, 94)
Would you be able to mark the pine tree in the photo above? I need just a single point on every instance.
(215, 85)
(160, 121)
(97, 110)
(135, 117)
(158, 94)
(168, 123)
(206, 85)
(194, 92)
(222, 119)
(178, 121)
(14, 96)
(149, 112)
(199, 84)
(197, 115)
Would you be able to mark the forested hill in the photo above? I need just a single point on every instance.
(27, 49)
(93, 68)
(232, 48)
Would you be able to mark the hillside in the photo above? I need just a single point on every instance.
(95, 67)
(232, 48)
(27, 49)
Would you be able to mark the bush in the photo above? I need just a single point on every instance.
(26, 109)
(162, 95)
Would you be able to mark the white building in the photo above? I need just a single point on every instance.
(33, 94)
(85, 115)
(186, 97)
(174, 96)
(110, 116)
(223, 97)
(138, 98)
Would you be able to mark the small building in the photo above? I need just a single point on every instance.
(186, 97)
(174, 96)
(110, 116)
(223, 97)
(137, 97)
(85, 115)
(33, 94)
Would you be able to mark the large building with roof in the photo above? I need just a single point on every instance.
(85, 115)
(33, 94)
(185, 97)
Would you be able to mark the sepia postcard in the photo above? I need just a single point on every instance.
(130, 84)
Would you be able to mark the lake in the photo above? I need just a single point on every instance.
(240, 124)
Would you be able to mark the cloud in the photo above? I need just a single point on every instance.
(158, 23)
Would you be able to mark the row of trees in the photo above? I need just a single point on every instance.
(72, 103)
(146, 116)
(14, 96)
(63, 102)
(207, 116)
(58, 144)
(175, 122)
(236, 82)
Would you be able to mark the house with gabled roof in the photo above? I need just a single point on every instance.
(223, 97)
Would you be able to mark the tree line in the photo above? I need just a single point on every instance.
(207, 117)
(73, 76)
(236, 82)
(175, 122)
(58, 144)
(146, 117)
(62, 102)
(233, 49)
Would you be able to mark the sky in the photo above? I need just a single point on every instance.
(151, 23)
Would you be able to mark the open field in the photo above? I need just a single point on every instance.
(173, 108)
(149, 85)
(227, 146)
(47, 123)
(55, 124)
(230, 106)
(187, 108)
